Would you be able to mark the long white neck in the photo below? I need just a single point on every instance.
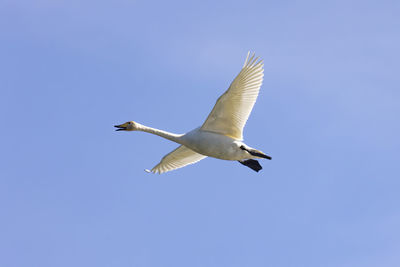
(170, 136)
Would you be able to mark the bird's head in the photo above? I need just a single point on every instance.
(127, 126)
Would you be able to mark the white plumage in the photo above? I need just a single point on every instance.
(176, 159)
(221, 134)
(233, 108)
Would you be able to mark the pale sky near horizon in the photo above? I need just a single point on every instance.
(73, 191)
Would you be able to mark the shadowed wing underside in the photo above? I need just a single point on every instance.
(233, 108)
(178, 158)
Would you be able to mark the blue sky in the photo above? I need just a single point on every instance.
(73, 191)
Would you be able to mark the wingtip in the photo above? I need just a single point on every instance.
(147, 170)
(250, 61)
(247, 58)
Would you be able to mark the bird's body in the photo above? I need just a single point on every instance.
(221, 134)
(213, 145)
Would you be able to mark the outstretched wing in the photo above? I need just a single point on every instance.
(178, 158)
(233, 108)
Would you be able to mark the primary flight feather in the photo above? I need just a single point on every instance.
(221, 135)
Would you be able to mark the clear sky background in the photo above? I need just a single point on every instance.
(73, 191)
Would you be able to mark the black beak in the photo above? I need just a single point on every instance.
(120, 128)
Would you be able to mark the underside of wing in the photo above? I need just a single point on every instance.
(178, 158)
(233, 108)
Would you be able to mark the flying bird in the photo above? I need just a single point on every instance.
(221, 135)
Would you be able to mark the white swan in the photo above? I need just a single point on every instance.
(221, 134)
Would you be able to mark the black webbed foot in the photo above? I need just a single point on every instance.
(252, 164)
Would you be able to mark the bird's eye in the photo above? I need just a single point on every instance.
(129, 122)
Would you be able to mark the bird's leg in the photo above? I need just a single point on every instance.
(255, 152)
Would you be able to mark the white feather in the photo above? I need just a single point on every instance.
(176, 159)
(233, 108)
